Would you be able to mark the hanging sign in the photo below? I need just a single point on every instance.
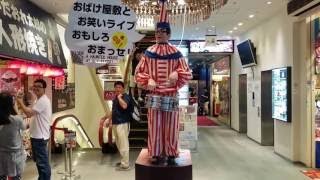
(29, 33)
(103, 30)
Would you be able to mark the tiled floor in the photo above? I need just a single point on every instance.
(222, 154)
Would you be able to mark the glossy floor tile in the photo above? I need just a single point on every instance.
(222, 154)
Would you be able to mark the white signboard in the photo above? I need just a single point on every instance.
(220, 46)
(188, 127)
(103, 30)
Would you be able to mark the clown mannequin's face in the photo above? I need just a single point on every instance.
(162, 35)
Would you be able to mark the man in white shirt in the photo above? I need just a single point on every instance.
(39, 127)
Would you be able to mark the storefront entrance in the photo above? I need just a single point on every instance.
(220, 90)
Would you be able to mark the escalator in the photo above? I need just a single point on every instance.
(63, 125)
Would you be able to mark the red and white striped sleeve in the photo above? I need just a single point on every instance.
(142, 74)
(184, 73)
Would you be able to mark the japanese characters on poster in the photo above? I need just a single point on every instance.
(9, 80)
(103, 30)
(29, 33)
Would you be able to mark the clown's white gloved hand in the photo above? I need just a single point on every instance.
(151, 85)
(173, 77)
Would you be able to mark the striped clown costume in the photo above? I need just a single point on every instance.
(158, 65)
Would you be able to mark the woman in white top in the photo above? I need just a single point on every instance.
(12, 153)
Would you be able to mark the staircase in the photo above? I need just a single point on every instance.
(138, 136)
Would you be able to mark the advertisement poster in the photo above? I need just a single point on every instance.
(63, 99)
(109, 69)
(10, 80)
(109, 93)
(316, 43)
(222, 67)
(281, 94)
(188, 127)
(59, 83)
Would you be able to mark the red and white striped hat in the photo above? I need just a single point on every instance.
(164, 19)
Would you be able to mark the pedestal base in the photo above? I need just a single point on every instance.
(145, 170)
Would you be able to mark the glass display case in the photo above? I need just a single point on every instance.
(281, 94)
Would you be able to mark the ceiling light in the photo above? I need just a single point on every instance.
(181, 2)
(251, 16)
(213, 26)
(209, 30)
(235, 28)
(269, 2)
(240, 24)
(230, 32)
(147, 8)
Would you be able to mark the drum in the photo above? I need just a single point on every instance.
(153, 101)
(169, 103)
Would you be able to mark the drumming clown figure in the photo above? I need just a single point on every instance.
(163, 71)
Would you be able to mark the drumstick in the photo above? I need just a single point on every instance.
(166, 84)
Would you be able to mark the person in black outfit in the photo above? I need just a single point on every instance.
(121, 124)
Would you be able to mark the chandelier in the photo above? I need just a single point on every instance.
(180, 11)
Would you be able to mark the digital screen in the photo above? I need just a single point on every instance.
(222, 46)
(246, 53)
(281, 94)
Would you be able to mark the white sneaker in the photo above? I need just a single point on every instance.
(123, 168)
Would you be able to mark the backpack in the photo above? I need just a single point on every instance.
(134, 111)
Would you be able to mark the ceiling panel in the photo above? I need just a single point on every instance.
(223, 19)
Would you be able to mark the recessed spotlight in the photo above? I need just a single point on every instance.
(213, 26)
(269, 2)
(240, 24)
(209, 30)
(235, 28)
(251, 16)
(181, 2)
(230, 32)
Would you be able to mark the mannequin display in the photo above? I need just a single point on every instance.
(163, 71)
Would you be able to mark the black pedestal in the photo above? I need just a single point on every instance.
(145, 170)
